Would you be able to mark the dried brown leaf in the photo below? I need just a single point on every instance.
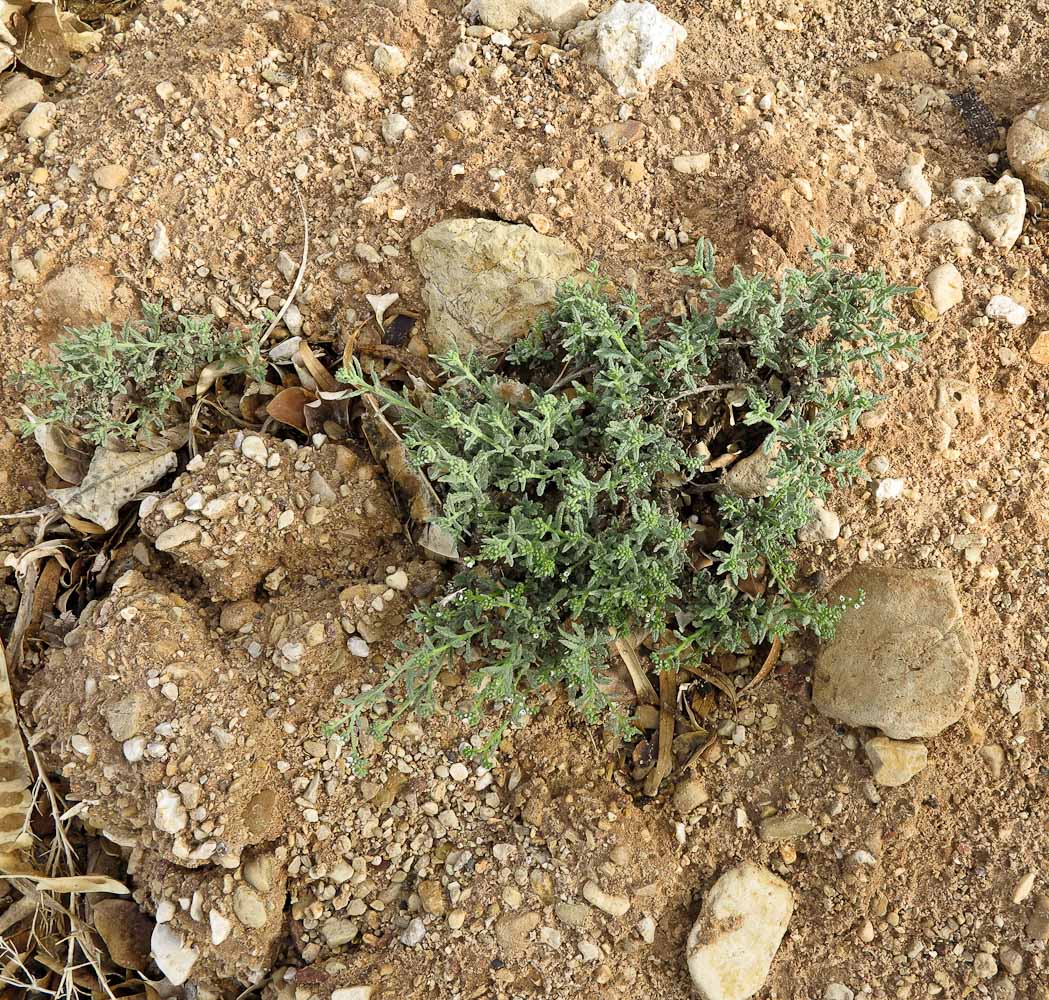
(210, 374)
(715, 678)
(379, 304)
(79, 37)
(63, 451)
(15, 913)
(43, 47)
(22, 563)
(113, 479)
(288, 407)
(424, 506)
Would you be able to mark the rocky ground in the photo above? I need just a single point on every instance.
(872, 821)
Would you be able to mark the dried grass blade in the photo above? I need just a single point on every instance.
(424, 506)
(767, 667)
(24, 614)
(324, 378)
(667, 714)
(44, 595)
(16, 802)
(627, 651)
(298, 277)
(70, 883)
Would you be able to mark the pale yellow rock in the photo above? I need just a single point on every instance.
(895, 762)
(1040, 349)
(486, 281)
(946, 288)
(110, 176)
(997, 210)
(1027, 144)
(738, 932)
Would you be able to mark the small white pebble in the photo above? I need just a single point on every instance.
(459, 772)
(1006, 308)
(889, 489)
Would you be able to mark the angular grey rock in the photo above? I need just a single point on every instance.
(171, 953)
(486, 281)
(1027, 144)
(735, 938)
(690, 794)
(902, 662)
(248, 907)
(825, 525)
(750, 476)
(17, 92)
(629, 44)
(361, 84)
(956, 233)
(127, 716)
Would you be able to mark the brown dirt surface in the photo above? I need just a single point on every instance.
(430, 877)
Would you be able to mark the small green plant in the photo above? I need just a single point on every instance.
(108, 384)
(578, 477)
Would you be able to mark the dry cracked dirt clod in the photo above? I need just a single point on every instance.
(146, 748)
(256, 504)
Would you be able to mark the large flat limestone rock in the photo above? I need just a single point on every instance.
(902, 662)
(487, 281)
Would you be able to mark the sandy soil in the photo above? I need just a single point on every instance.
(220, 112)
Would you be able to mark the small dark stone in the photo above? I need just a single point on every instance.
(980, 123)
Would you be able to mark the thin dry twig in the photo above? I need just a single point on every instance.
(298, 277)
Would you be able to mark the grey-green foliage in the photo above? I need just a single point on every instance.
(109, 383)
(572, 476)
